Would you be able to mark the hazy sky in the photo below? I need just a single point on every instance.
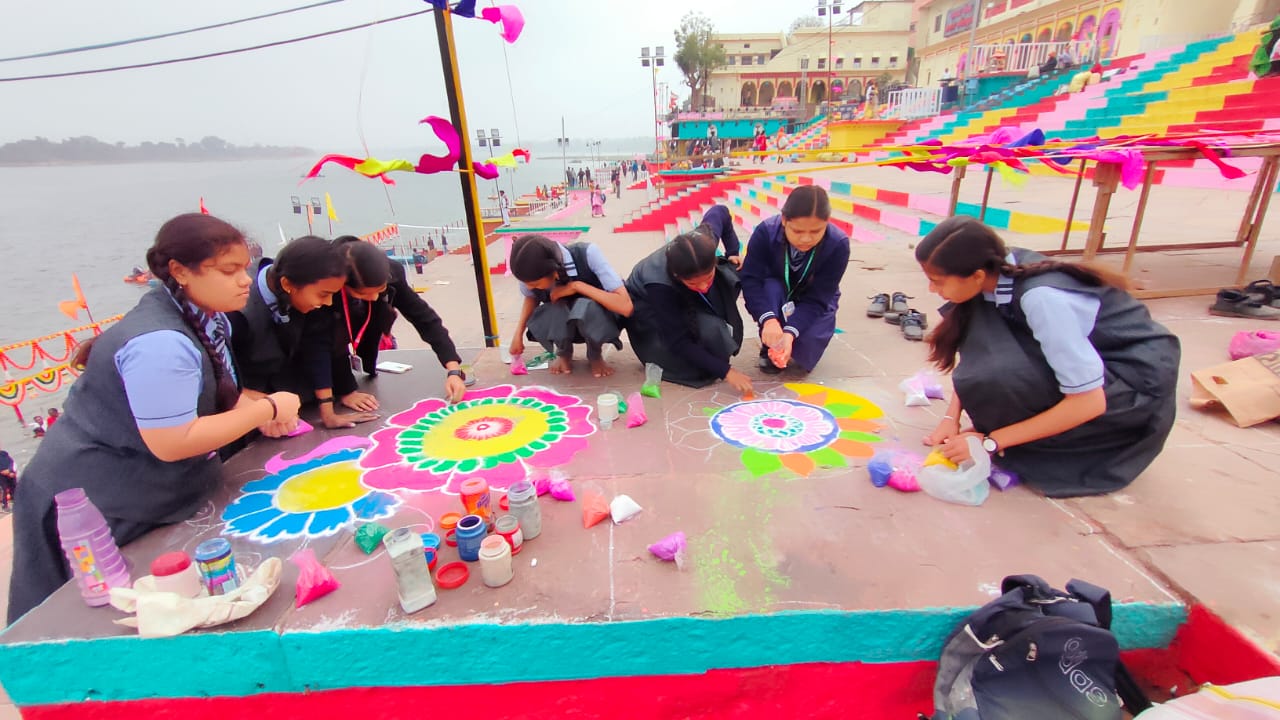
(576, 57)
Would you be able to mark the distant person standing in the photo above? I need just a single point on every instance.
(8, 479)
(504, 206)
(52, 418)
(444, 244)
(38, 427)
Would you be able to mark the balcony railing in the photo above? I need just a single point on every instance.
(914, 103)
(1022, 57)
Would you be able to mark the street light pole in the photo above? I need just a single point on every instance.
(654, 62)
(970, 67)
(835, 10)
(563, 142)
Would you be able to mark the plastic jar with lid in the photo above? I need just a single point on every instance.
(522, 497)
(495, 561)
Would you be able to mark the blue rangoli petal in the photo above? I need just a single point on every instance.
(247, 504)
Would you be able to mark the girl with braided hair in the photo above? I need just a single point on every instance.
(157, 399)
(1064, 375)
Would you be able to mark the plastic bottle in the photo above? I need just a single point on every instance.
(477, 500)
(495, 561)
(522, 497)
(86, 539)
(413, 576)
(469, 533)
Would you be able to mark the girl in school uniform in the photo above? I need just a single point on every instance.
(281, 343)
(686, 315)
(791, 280)
(376, 289)
(571, 295)
(158, 397)
(1064, 375)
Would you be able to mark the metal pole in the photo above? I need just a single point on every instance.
(969, 64)
(470, 200)
(656, 141)
(564, 161)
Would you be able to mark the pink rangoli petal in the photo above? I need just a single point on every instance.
(559, 453)
(403, 477)
(383, 451)
(420, 410)
(497, 391)
(579, 422)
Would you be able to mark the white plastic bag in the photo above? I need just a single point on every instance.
(913, 388)
(966, 485)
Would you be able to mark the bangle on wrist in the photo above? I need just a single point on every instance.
(323, 401)
(949, 417)
(275, 410)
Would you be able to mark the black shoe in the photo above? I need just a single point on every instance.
(767, 366)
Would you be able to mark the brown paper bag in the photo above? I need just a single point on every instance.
(1249, 389)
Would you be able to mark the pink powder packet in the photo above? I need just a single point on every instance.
(542, 485)
(636, 415)
(303, 428)
(562, 490)
(904, 481)
(517, 365)
(314, 580)
(671, 548)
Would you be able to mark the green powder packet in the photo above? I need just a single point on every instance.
(369, 535)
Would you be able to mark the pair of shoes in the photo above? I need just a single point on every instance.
(913, 324)
(766, 365)
(1236, 303)
(897, 306)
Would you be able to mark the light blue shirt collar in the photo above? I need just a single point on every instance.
(273, 303)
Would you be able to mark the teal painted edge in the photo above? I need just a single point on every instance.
(524, 229)
(130, 668)
(241, 664)
(841, 188)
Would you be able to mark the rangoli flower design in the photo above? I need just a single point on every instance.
(497, 433)
(315, 495)
(822, 427)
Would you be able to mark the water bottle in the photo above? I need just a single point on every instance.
(92, 552)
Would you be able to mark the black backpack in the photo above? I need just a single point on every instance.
(1036, 652)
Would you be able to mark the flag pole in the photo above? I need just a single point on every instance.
(470, 199)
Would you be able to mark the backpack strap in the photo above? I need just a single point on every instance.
(1035, 583)
(1131, 694)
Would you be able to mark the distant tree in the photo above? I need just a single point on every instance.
(697, 54)
(807, 21)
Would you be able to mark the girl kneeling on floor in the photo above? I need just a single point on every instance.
(1065, 376)
(571, 295)
(686, 315)
(158, 397)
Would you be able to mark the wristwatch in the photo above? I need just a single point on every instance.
(456, 373)
(990, 445)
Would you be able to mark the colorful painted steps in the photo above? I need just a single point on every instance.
(657, 218)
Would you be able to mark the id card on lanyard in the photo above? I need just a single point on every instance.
(357, 365)
(789, 307)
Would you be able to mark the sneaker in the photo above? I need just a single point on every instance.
(1264, 291)
(897, 306)
(1234, 303)
(913, 324)
(879, 304)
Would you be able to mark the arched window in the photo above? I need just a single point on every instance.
(748, 95)
(785, 90)
(766, 93)
(818, 93)
(1046, 35)
(1064, 32)
(855, 90)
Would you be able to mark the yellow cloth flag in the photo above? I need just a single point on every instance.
(328, 204)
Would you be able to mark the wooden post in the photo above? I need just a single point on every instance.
(1137, 218)
(470, 198)
(1267, 177)
(1075, 198)
(956, 179)
(986, 193)
(1106, 177)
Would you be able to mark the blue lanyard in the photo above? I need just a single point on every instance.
(786, 269)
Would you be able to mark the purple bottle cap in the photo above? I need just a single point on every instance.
(212, 549)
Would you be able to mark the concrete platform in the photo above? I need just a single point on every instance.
(796, 557)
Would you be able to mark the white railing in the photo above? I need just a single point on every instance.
(1023, 56)
(914, 103)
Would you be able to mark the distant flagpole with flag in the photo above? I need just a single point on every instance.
(203, 210)
(333, 214)
(72, 308)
